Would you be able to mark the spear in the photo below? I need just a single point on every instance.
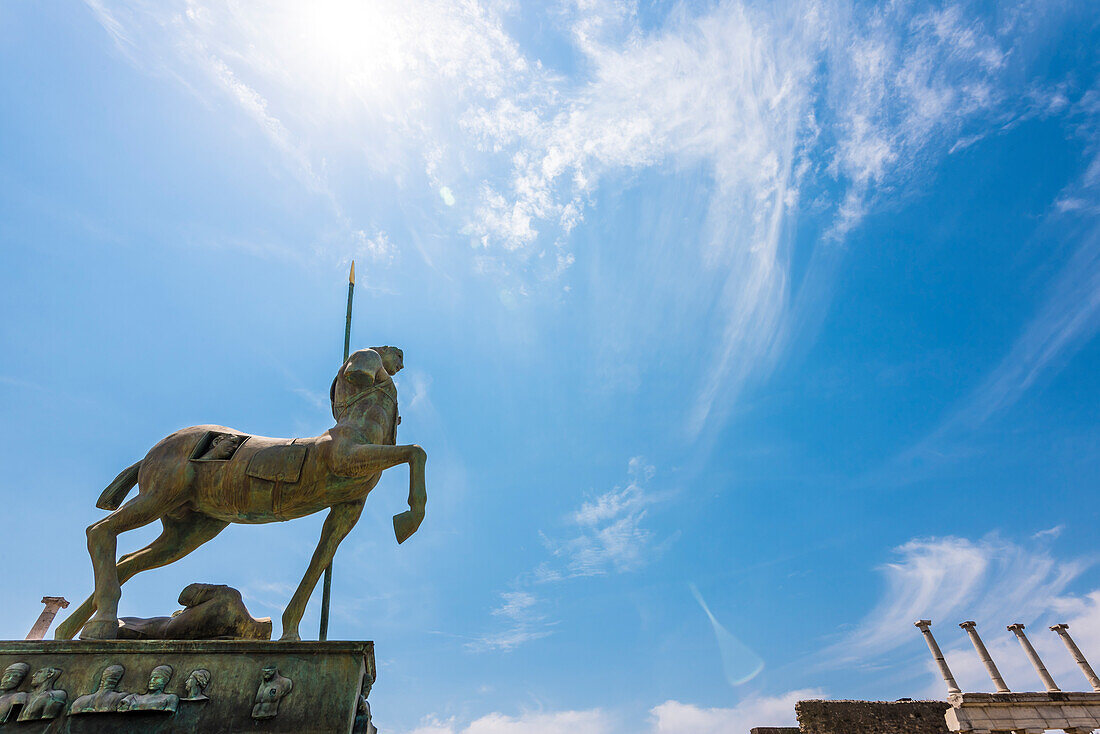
(326, 589)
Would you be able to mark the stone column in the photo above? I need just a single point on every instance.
(1063, 632)
(45, 619)
(923, 625)
(983, 653)
(1033, 656)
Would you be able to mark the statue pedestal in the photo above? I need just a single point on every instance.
(249, 686)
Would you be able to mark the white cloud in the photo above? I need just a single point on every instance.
(1051, 533)
(521, 624)
(949, 580)
(418, 385)
(673, 717)
(901, 83)
(1082, 613)
(318, 401)
(610, 538)
(578, 722)
(377, 246)
(767, 99)
(575, 722)
(670, 717)
(110, 24)
(432, 725)
(610, 531)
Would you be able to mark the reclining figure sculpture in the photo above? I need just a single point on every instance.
(211, 612)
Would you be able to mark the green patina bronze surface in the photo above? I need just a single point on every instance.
(211, 612)
(200, 479)
(174, 686)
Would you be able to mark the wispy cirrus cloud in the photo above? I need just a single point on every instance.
(609, 537)
(954, 579)
(1082, 613)
(774, 103)
(899, 96)
(610, 532)
(1067, 319)
(521, 624)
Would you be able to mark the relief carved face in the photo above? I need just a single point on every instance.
(43, 675)
(269, 672)
(159, 678)
(111, 677)
(13, 676)
(197, 681)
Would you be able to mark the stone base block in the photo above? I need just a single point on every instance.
(174, 686)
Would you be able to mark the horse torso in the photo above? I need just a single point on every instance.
(272, 479)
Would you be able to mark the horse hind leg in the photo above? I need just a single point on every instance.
(103, 545)
(180, 536)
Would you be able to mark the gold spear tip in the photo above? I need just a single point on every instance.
(351, 276)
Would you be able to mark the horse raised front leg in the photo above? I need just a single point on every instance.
(341, 519)
(365, 459)
(407, 523)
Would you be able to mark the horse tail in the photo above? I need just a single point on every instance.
(117, 490)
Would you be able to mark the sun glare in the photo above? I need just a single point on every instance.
(347, 46)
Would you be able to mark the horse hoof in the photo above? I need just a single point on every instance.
(290, 637)
(100, 629)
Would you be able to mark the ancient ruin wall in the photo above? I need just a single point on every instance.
(871, 717)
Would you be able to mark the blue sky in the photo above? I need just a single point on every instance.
(791, 304)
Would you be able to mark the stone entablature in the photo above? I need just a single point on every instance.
(980, 713)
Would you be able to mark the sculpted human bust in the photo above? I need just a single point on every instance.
(155, 699)
(273, 688)
(106, 698)
(363, 723)
(196, 684)
(221, 447)
(45, 701)
(9, 697)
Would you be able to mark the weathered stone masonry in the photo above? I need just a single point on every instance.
(871, 717)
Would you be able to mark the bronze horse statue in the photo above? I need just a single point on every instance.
(200, 479)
